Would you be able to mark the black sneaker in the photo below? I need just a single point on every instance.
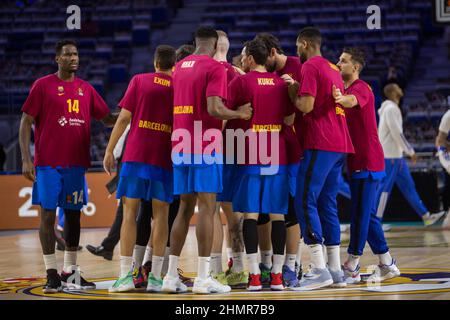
(74, 280)
(100, 251)
(53, 284)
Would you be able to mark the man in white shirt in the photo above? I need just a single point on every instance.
(394, 144)
(443, 147)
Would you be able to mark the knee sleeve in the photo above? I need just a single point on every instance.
(263, 219)
(72, 227)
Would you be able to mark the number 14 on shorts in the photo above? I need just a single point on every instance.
(76, 197)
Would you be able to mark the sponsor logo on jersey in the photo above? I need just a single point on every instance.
(62, 121)
(60, 90)
(80, 92)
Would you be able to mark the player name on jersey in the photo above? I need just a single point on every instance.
(163, 82)
(266, 82)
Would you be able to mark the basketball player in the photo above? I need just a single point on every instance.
(366, 169)
(325, 142)
(257, 192)
(200, 86)
(61, 106)
(281, 64)
(146, 172)
(235, 276)
(394, 144)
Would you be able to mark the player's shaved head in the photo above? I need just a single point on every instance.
(165, 57)
(223, 44)
(206, 40)
(311, 35)
(62, 43)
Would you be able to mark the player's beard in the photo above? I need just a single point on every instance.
(303, 57)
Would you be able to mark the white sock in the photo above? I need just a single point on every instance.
(266, 258)
(70, 259)
(229, 253)
(334, 258)
(173, 266)
(385, 258)
(325, 255)
(289, 261)
(157, 263)
(148, 254)
(238, 261)
(203, 267)
(216, 263)
(125, 265)
(352, 262)
(252, 260)
(138, 255)
(50, 261)
(278, 260)
(298, 257)
(317, 258)
(165, 265)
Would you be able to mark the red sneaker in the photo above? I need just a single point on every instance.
(254, 282)
(276, 281)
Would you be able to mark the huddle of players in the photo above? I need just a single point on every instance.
(305, 104)
(317, 119)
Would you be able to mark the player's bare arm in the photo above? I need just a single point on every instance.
(441, 140)
(24, 140)
(347, 101)
(305, 103)
(217, 109)
(122, 122)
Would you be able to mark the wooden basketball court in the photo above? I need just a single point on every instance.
(423, 256)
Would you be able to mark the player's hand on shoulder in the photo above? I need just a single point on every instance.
(245, 111)
(337, 94)
(109, 162)
(288, 79)
(28, 170)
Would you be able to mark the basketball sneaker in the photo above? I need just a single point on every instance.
(237, 280)
(209, 285)
(290, 278)
(154, 284)
(265, 275)
(173, 285)
(254, 282)
(53, 284)
(221, 277)
(74, 281)
(338, 278)
(351, 276)
(384, 272)
(430, 219)
(123, 284)
(138, 278)
(276, 282)
(318, 278)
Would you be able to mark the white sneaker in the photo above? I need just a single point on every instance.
(209, 285)
(173, 285)
(351, 276)
(384, 272)
(433, 218)
(386, 227)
